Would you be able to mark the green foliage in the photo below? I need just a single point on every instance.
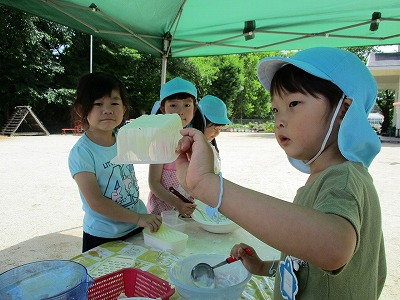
(256, 100)
(267, 127)
(28, 60)
(233, 78)
(143, 82)
(219, 76)
(385, 102)
(226, 86)
(60, 96)
(208, 68)
(363, 51)
(186, 69)
(139, 72)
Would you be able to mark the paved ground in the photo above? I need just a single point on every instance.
(41, 216)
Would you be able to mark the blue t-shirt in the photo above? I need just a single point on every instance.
(116, 182)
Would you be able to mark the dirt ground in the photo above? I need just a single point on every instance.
(41, 215)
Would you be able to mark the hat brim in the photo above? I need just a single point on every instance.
(270, 65)
(221, 121)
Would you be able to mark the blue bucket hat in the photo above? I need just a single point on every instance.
(177, 85)
(357, 140)
(214, 109)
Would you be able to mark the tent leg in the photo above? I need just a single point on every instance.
(163, 69)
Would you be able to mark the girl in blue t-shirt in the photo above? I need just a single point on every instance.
(109, 192)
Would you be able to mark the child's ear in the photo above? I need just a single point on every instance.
(345, 106)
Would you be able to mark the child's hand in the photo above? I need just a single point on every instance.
(252, 262)
(196, 160)
(186, 209)
(151, 221)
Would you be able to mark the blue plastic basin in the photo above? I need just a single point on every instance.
(48, 279)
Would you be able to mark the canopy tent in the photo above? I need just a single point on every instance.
(183, 28)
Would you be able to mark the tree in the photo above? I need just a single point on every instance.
(208, 69)
(385, 101)
(28, 60)
(227, 82)
(221, 76)
(186, 69)
(233, 78)
(256, 100)
(137, 71)
(362, 51)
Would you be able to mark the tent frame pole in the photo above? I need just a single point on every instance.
(164, 69)
(166, 49)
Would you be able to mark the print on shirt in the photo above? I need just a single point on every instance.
(125, 192)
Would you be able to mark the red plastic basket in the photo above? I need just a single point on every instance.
(131, 281)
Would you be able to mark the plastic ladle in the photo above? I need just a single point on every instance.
(203, 274)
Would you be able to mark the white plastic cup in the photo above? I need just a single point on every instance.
(170, 217)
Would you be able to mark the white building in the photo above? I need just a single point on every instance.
(385, 67)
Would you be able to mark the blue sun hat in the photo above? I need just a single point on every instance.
(214, 109)
(357, 140)
(177, 85)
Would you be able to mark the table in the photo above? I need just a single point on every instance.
(134, 253)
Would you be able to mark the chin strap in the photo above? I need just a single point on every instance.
(328, 133)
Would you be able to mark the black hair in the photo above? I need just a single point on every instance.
(92, 87)
(209, 124)
(197, 121)
(291, 79)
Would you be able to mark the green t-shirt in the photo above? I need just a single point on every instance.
(346, 190)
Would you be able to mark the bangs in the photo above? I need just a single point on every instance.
(103, 87)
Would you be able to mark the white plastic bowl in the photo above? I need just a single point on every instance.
(225, 225)
(231, 279)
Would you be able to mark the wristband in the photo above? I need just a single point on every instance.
(212, 212)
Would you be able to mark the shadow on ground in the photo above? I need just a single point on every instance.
(45, 247)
